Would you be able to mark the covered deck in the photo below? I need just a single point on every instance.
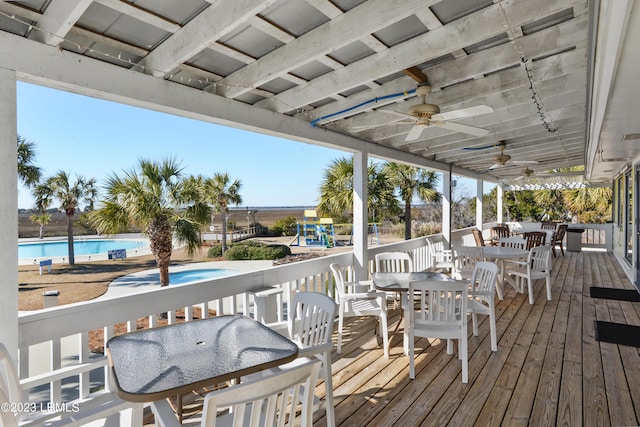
(549, 368)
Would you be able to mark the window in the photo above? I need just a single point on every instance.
(628, 254)
(620, 201)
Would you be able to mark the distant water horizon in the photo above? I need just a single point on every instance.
(237, 208)
(271, 207)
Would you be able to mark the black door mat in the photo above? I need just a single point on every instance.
(618, 333)
(613, 293)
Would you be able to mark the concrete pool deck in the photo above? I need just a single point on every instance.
(143, 281)
(143, 249)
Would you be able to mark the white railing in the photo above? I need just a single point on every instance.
(596, 236)
(232, 235)
(54, 342)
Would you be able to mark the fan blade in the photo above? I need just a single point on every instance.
(464, 112)
(496, 166)
(459, 127)
(414, 133)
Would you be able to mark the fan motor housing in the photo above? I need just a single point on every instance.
(423, 110)
(502, 158)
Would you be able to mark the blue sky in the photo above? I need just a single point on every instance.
(93, 138)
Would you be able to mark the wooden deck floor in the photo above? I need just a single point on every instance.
(548, 370)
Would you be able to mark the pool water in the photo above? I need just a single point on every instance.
(81, 247)
(187, 276)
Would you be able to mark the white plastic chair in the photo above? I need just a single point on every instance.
(465, 259)
(482, 295)
(441, 312)
(537, 266)
(310, 325)
(267, 400)
(393, 262)
(517, 242)
(106, 405)
(351, 304)
(440, 257)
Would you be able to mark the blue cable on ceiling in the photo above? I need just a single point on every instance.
(374, 100)
(480, 148)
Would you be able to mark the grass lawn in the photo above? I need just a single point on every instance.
(85, 281)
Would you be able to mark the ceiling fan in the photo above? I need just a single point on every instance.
(502, 160)
(425, 115)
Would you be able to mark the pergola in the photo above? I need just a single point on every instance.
(530, 80)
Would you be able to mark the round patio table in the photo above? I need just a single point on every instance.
(500, 254)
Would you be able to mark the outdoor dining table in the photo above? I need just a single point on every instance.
(522, 230)
(500, 254)
(399, 282)
(157, 363)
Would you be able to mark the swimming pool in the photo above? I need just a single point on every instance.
(188, 276)
(80, 247)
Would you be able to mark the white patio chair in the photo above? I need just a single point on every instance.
(7, 418)
(537, 266)
(517, 242)
(351, 304)
(393, 262)
(101, 407)
(482, 295)
(267, 400)
(440, 256)
(441, 312)
(465, 259)
(310, 325)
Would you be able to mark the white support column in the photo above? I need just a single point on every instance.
(499, 205)
(360, 215)
(446, 207)
(8, 212)
(479, 191)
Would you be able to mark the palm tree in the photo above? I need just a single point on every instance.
(42, 219)
(42, 203)
(221, 192)
(70, 195)
(28, 172)
(410, 181)
(592, 205)
(336, 191)
(157, 198)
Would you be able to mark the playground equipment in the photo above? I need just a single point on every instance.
(315, 232)
(374, 237)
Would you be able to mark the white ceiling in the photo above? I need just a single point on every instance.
(562, 92)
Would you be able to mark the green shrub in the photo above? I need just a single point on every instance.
(249, 250)
(238, 252)
(252, 250)
(285, 226)
(215, 251)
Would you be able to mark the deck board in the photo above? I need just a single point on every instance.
(548, 370)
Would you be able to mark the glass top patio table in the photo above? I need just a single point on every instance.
(400, 281)
(156, 363)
